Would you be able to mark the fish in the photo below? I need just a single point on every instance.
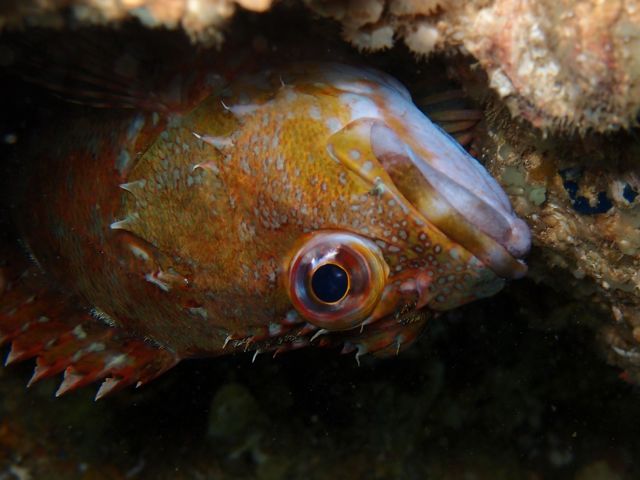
(308, 204)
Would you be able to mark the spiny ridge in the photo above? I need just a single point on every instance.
(385, 338)
(90, 352)
(119, 362)
(44, 324)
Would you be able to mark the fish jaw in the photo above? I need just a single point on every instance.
(488, 233)
(456, 177)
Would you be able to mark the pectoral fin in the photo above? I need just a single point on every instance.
(65, 336)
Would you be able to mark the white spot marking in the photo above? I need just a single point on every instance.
(199, 311)
(218, 142)
(79, 332)
(314, 112)
(333, 124)
(152, 278)
(139, 253)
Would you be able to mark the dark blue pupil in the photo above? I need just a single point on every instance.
(329, 283)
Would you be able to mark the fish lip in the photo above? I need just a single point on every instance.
(514, 236)
(519, 238)
(486, 226)
(381, 109)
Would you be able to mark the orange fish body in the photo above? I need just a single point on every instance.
(312, 204)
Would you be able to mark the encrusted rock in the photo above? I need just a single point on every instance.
(567, 65)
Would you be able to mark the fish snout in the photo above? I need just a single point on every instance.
(452, 191)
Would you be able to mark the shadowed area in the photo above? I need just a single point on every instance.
(491, 391)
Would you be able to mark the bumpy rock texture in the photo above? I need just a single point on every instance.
(201, 19)
(580, 197)
(568, 64)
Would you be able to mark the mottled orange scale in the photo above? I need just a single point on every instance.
(144, 363)
(44, 324)
(70, 346)
(357, 136)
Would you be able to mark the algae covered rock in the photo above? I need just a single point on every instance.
(568, 65)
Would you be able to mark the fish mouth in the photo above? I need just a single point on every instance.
(453, 192)
(448, 187)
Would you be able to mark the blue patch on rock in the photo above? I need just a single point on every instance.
(629, 193)
(570, 177)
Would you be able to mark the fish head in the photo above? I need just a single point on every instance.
(377, 217)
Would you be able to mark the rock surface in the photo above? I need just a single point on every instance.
(563, 65)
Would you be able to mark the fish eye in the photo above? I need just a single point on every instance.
(335, 279)
(330, 283)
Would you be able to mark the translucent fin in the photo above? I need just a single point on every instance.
(454, 113)
(106, 69)
(42, 324)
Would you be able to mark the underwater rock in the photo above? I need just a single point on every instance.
(202, 20)
(579, 195)
(567, 65)
(507, 388)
